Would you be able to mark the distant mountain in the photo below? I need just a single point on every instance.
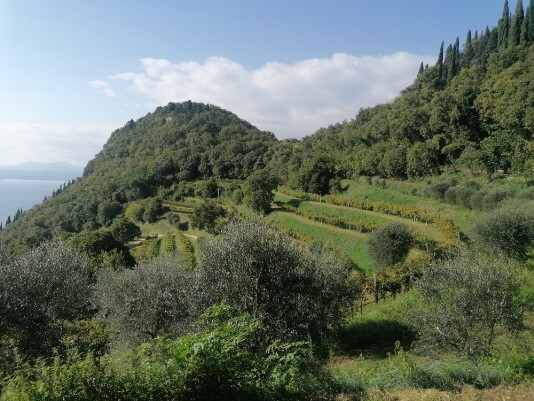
(57, 171)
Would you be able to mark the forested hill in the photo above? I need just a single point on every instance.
(473, 110)
(176, 143)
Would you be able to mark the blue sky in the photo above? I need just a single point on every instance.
(72, 71)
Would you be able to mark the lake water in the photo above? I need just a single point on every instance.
(25, 194)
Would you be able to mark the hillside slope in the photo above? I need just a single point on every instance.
(179, 142)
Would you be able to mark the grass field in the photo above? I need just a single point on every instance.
(366, 216)
(347, 242)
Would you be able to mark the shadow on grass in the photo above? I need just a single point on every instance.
(294, 202)
(372, 337)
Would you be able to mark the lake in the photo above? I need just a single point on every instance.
(25, 194)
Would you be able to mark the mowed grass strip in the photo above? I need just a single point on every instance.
(350, 243)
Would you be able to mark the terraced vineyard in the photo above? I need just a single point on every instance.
(343, 222)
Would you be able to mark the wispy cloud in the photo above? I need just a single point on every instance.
(75, 144)
(102, 87)
(291, 100)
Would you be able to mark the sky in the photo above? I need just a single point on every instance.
(73, 71)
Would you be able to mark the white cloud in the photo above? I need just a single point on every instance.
(102, 87)
(75, 144)
(291, 100)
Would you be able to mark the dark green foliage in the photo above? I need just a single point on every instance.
(463, 302)
(439, 63)
(504, 26)
(107, 211)
(124, 230)
(394, 162)
(174, 219)
(315, 175)
(154, 299)
(515, 24)
(438, 189)
(508, 230)
(207, 216)
(39, 292)
(97, 243)
(389, 244)
(153, 210)
(214, 363)
(258, 190)
(420, 161)
(209, 188)
(294, 292)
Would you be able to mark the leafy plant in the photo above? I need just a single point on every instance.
(463, 302)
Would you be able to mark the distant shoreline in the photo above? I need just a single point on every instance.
(44, 175)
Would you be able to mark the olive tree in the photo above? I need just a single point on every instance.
(294, 291)
(509, 229)
(153, 299)
(40, 291)
(387, 246)
(462, 303)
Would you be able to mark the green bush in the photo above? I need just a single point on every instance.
(214, 363)
(41, 291)
(295, 292)
(508, 230)
(389, 244)
(464, 302)
(155, 298)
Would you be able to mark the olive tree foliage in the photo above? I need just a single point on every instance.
(295, 292)
(41, 290)
(509, 229)
(389, 244)
(462, 303)
(153, 299)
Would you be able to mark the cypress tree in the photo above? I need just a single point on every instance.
(440, 60)
(449, 62)
(504, 27)
(531, 21)
(8, 221)
(421, 69)
(515, 25)
(476, 35)
(524, 36)
(468, 38)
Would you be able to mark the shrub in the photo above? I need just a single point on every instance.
(509, 229)
(207, 215)
(153, 299)
(216, 362)
(463, 301)
(40, 291)
(389, 244)
(296, 293)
